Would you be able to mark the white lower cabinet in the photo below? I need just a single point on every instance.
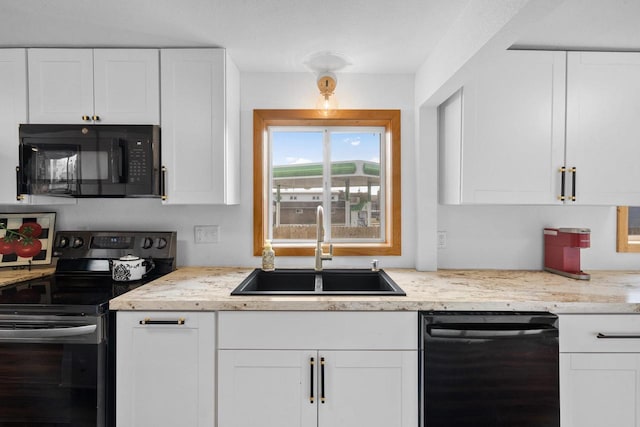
(265, 388)
(368, 388)
(366, 376)
(600, 370)
(165, 373)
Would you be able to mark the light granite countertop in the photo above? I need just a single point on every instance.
(209, 288)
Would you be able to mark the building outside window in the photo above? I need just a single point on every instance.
(337, 168)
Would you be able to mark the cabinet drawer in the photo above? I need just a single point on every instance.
(318, 330)
(164, 319)
(600, 333)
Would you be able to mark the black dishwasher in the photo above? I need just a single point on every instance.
(489, 369)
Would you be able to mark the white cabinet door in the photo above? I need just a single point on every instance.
(512, 140)
(603, 100)
(267, 388)
(299, 388)
(165, 373)
(60, 85)
(127, 86)
(368, 378)
(599, 389)
(368, 388)
(105, 86)
(13, 111)
(200, 126)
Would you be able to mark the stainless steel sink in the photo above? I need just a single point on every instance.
(310, 282)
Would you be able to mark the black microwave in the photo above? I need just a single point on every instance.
(89, 160)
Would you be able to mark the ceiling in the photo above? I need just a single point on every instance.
(588, 25)
(372, 36)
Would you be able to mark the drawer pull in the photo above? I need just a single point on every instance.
(148, 321)
(311, 397)
(608, 336)
(322, 396)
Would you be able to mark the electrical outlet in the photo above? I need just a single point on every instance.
(207, 233)
(442, 239)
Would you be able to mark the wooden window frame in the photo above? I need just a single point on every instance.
(622, 243)
(389, 119)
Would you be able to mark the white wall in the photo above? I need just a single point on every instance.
(258, 91)
(511, 236)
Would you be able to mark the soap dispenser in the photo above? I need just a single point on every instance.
(268, 257)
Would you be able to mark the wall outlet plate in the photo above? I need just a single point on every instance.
(207, 233)
(442, 239)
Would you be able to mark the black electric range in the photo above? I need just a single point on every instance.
(57, 335)
(82, 281)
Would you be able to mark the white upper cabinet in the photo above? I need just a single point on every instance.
(200, 126)
(127, 85)
(60, 85)
(512, 136)
(502, 136)
(13, 111)
(603, 130)
(105, 86)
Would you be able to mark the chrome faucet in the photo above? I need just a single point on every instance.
(320, 255)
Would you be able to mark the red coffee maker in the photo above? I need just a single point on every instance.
(562, 251)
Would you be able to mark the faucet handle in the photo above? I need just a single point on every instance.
(374, 265)
(331, 249)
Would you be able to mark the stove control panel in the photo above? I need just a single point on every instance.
(115, 244)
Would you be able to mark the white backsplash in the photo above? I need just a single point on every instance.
(511, 236)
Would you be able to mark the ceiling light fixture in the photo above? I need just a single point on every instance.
(327, 83)
(324, 65)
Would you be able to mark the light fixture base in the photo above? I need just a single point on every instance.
(327, 83)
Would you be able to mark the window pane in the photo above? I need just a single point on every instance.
(355, 185)
(296, 159)
(634, 224)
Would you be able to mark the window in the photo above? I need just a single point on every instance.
(338, 168)
(348, 162)
(628, 229)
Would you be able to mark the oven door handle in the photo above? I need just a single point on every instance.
(49, 332)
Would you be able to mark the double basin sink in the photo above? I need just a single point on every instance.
(355, 282)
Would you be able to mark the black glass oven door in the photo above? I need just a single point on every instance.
(52, 375)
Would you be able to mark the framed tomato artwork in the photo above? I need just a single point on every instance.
(26, 238)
